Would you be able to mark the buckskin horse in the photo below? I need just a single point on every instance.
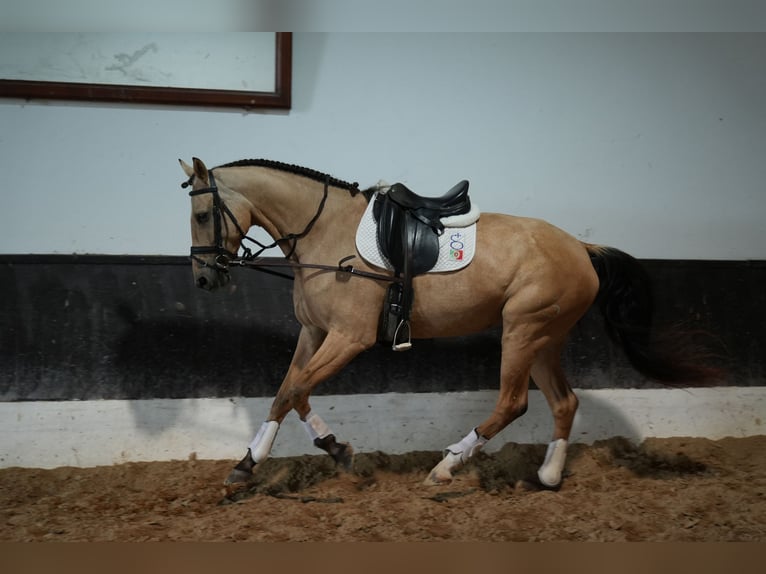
(532, 278)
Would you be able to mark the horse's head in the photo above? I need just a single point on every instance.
(219, 219)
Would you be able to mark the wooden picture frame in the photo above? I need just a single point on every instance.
(278, 98)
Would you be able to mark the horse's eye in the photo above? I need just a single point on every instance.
(203, 217)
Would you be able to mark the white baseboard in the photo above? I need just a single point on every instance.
(94, 433)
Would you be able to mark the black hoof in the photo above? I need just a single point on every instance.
(243, 472)
(344, 457)
(341, 453)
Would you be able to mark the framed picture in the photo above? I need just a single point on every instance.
(248, 70)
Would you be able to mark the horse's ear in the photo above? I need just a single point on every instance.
(188, 170)
(200, 170)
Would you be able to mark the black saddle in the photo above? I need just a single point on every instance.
(454, 202)
(408, 230)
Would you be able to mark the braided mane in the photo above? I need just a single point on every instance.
(353, 188)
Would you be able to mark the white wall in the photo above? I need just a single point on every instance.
(654, 143)
(63, 433)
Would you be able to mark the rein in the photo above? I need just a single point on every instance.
(224, 258)
(263, 264)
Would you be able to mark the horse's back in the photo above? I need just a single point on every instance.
(532, 248)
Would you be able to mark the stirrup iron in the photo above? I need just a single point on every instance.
(404, 345)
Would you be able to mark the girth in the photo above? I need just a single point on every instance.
(408, 230)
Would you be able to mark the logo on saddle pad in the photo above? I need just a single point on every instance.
(457, 245)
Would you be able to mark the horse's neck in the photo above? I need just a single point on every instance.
(284, 203)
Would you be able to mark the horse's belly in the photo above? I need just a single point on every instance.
(451, 304)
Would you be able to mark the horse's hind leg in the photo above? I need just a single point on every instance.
(550, 379)
(518, 351)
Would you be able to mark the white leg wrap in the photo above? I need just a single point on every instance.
(455, 456)
(466, 448)
(551, 469)
(261, 445)
(315, 427)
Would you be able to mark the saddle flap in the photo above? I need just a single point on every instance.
(401, 235)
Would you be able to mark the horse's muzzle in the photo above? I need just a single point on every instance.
(211, 279)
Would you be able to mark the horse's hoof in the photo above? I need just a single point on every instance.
(341, 452)
(440, 475)
(242, 473)
(442, 472)
(237, 477)
(344, 457)
(437, 479)
(534, 484)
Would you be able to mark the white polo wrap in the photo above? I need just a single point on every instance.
(315, 427)
(261, 445)
(466, 448)
(551, 469)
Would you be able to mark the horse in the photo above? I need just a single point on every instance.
(533, 279)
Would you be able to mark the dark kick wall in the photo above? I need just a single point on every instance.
(109, 327)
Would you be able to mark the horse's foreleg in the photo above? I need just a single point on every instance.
(309, 341)
(317, 357)
(550, 379)
(335, 352)
(257, 452)
(322, 437)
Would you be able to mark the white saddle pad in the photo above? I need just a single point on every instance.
(457, 245)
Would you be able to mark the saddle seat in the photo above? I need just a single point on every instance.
(454, 202)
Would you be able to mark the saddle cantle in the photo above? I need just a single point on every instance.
(408, 230)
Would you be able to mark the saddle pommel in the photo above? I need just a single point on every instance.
(454, 202)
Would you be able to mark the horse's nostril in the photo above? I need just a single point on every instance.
(201, 281)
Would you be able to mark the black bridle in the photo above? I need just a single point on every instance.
(224, 257)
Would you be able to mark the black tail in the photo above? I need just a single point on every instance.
(626, 302)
